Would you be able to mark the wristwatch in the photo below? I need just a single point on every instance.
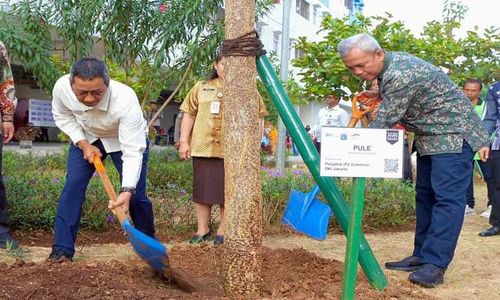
(127, 189)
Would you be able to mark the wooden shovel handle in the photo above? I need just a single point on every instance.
(122, 216)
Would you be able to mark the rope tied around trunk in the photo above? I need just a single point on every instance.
(248, 44)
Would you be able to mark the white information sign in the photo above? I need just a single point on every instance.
(40, 113)
(361, 152)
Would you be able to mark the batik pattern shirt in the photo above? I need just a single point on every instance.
(492, 118)
(206, 136)
(427, 102)
(8, 99)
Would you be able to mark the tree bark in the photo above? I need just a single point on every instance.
(241, 144)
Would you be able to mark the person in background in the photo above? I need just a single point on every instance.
(177, 129)
(332, 115)
(492, 124)
(425, 100)
(102, 117)
(472, 89)
(156, 122)
(201, 140)
(310, 134)
(272, 132)
(170, 135)
(8, 102)
(44, 134)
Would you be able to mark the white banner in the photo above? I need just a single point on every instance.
(361, 152)
(40, 113)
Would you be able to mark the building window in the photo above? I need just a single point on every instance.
(348, 4)
(302, 8)
(299, 53)
(259, 26)
(276, 41)
(315, 15)
(291, 46)
(324, 14)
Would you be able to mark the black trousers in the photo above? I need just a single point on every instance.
(407, 169)
(495, 207)
(4, 226)
(318, 146)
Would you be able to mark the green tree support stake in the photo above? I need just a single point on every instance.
(353, 234)
(311, 158)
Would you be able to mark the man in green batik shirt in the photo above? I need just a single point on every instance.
(472, 89)
(423, 98)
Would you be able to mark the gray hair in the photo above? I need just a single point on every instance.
(89, 68)
(362, 41)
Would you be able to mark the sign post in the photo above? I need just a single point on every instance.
(362, 152)
(359, 153)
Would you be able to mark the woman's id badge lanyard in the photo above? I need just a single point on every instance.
(215, 105)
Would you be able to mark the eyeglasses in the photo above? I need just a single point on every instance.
(83, 94)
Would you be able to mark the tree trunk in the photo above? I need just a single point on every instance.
(240, 127)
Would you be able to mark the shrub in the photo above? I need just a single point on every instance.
(388, 202)
(276, 189)
(34, 189)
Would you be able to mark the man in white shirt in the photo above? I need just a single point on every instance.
(332, 115)
(102, 117)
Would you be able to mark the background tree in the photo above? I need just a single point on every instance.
(26, 34)
(152, 42)
(476, 55)
(291, 86)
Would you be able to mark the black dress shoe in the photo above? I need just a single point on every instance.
(428, 275)
(59, 256)
(408, 264)
(494, 230)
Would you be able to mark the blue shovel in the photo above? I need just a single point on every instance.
(149, 249)
(306, 214)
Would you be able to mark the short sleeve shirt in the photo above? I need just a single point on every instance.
(205, 102)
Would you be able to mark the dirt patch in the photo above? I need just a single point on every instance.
(115, 235)
(287, 273)
(42, 238)
(473, 273)
(294, 267)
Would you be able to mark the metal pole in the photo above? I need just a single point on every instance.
(311, 158)
(285, 58)
(353, 237)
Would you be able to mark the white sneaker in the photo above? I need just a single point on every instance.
(487, 212)
(469, 211)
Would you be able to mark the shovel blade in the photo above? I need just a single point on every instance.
(149, 249)
(314, 222)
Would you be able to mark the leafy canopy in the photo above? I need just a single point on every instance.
(475, 56)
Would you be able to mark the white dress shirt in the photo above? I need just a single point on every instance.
(334, 117)
(117, 120)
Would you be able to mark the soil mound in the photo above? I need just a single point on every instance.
(287, 274)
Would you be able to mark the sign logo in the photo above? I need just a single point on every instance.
(343, 137)
(392, 136)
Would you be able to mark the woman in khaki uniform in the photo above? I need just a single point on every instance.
(200, 138)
